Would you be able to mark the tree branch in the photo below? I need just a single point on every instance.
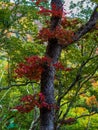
(85, 28)
(88, 26)
(14, 85)
(34, 123)
(84, 115)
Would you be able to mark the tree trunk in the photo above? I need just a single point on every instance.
(47, 79)
(47, 88)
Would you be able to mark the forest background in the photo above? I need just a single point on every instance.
(76, 78)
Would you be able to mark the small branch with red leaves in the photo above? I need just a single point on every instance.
(28, 103)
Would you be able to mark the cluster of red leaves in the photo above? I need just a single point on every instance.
(59, 66)
(39, 1)
(28, 103)
(56, 12)
(45, 34)
(32, 67)
(69, 23)
(64, 36)
(64, 22)
(69, 121)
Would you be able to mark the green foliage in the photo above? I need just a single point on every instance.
(96, 1)
(5, 17)
(18, 39)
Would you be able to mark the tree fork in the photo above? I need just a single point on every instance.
(53, 51)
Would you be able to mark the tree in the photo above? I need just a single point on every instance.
(53, 51)
(48, 118)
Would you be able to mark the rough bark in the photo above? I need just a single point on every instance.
(47, 87)
(47, 79)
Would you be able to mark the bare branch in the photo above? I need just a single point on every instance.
(84, 115)
(33, 124)
(15, 85)
(88, 26)
(85, 28)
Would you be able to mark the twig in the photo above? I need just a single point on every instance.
(15, 85)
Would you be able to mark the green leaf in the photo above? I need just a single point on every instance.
(96, 1)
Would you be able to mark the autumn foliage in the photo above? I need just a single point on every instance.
(33, 66)
(28, 103)
(92, 101)
(63, 36)
(54, 12)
